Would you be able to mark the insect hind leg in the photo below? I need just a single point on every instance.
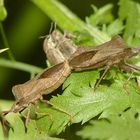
(57, 108)
(102, 76)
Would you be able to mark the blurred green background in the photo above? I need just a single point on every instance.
(24, 25)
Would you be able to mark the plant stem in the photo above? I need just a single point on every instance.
(69, 21)
(5, 41)
(19, 65)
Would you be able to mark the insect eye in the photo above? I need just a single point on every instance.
(17, 103)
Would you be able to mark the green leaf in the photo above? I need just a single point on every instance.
(18, 129)
(34, 133)
(115, 27)
(74, 84)
(102, 15)
(117, 127)
(130, 11)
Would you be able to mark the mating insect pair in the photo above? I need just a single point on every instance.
(65, 58)
(114, 52)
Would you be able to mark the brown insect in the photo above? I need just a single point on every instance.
(113, 52)
(58, 47)
(44, 83)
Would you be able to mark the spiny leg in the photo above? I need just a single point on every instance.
(28, 115)
(41, 113)
(36, 105)
(133, 67)
(102, 76)
(128, 68)
(126, 82)
(61, 110)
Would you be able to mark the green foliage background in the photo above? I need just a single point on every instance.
(112, 111)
